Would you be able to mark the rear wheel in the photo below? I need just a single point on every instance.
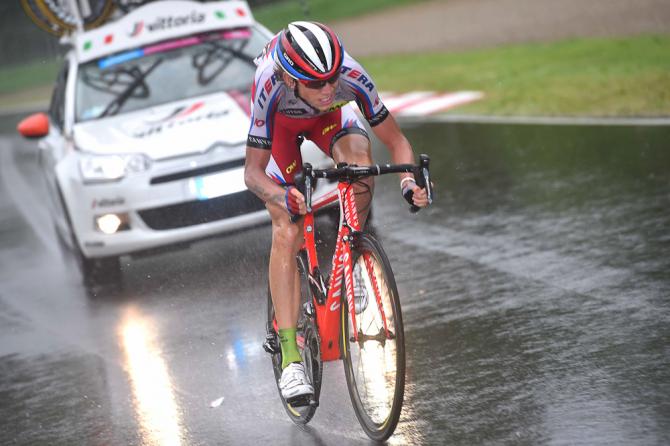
(309, 344)
(374, 362)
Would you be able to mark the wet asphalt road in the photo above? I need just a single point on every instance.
(535, 298)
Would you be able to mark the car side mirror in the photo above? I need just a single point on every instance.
(34, 126)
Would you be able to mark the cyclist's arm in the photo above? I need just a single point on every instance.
(390, 134)
(401, 151)
(261, 185)
(256, 179)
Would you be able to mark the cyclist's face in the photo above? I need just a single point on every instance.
(321, 98)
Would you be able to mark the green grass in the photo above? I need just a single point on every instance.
(24, 77)
(580, 77)
(277, 14)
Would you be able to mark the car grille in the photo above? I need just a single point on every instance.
(201, 211)
(197, 172)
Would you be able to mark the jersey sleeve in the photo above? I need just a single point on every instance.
(265, 94)
(364, 91)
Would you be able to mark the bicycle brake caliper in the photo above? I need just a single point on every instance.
(317, 286)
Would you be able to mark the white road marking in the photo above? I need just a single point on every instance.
(395, 102)
(441, 103)
(422, 103)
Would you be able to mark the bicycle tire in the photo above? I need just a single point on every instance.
(310, 350)
(30, 7)
(375, 365)
(61, 14)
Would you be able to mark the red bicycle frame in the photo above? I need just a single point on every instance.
(328, 314)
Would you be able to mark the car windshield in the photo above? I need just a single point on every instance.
(166, 72)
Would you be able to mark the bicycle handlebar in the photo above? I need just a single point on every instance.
(350, 172)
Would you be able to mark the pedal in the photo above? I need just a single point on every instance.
(302, 401)
(271, 345)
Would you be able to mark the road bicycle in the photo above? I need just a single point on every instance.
(354, 313)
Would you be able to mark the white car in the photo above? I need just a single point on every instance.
(143, 145)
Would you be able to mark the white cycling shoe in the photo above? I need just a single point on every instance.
(293, 384)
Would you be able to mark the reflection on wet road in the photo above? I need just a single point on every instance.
(535, 299)
(153, 392)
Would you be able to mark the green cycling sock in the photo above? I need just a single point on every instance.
(289, 347)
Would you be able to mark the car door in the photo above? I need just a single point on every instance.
(53, 146)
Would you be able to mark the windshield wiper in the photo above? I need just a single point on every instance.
(130, 91)
(221, 53)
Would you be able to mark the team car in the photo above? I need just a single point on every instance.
(143, 144)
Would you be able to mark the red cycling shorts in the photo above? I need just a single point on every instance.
(323, 130)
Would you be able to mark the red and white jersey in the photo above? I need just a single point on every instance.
(271, 96)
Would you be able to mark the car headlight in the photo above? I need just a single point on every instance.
(100, 168)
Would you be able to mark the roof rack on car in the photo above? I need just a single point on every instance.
(161, 21)
(68, 18)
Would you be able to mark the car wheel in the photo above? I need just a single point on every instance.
(94, 271)
(100, 271)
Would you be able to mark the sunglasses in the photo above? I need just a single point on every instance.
(318, 85)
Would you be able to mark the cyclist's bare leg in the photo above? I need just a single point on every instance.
(285, 290)
(284, 278)
(355, 149)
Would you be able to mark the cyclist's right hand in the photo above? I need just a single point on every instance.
(294, 201)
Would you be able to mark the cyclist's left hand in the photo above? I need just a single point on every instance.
(420, 196)
(414, 194)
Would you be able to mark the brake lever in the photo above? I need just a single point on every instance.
(422, 179)
(303, 182)
(424, 162)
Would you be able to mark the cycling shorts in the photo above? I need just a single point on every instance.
(323, 130)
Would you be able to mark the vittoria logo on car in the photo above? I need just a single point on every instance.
(107, 202)
(179, 112)
(156, 128)
(137, 29)
(162, 23)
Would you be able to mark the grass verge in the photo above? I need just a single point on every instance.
(578, 77)
(24, 77)
(276, 15)
(623, 77)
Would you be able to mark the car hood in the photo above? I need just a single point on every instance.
(169, 130)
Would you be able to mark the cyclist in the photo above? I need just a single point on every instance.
(303, 87)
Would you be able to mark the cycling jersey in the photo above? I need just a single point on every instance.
(279, 116)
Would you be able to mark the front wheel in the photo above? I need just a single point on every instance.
(94, 271)
(374, 360)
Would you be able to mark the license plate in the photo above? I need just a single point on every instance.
(218, 184)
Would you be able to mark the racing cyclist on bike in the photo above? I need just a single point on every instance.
(303, 87)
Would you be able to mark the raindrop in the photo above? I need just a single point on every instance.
(216, 403)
